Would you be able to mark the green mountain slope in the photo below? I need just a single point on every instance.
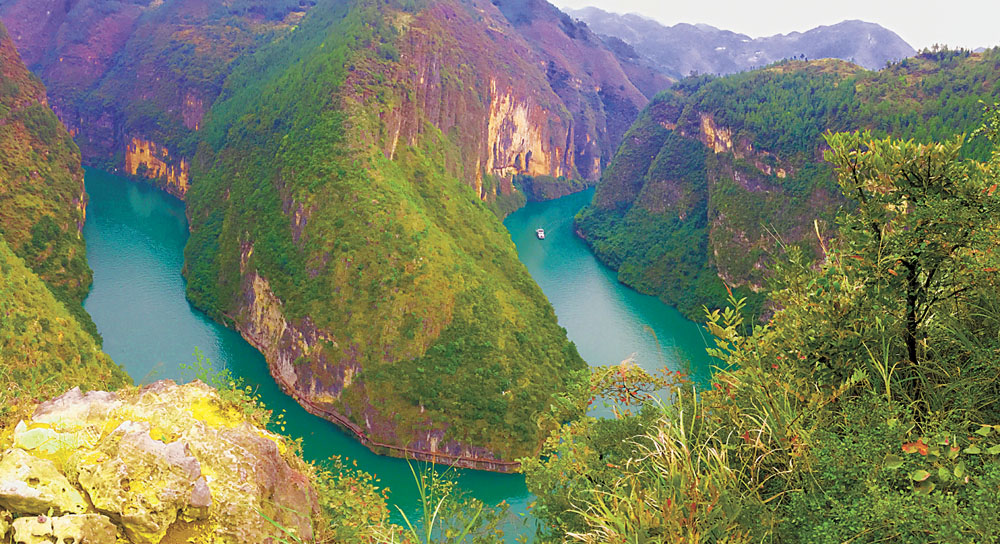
(719, 173)
(43, 349)
(383, 291)
(42, 200)
(48, 343)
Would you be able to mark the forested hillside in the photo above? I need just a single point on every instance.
(719, 174)
(42, 201)
(43, 348)
(47, 342)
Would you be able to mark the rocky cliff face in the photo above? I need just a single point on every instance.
(684, 48)
(164, 463)
(532, 94)
(602, 88)
(140, 71)
(150, 71)
(144, 158)
(478, 79)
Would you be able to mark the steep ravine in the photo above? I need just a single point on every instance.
(328, 153)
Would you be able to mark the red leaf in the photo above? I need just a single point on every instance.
(915, 447)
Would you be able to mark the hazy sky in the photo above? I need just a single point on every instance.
(922, 23)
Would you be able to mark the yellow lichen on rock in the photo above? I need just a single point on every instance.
(163, 464)
(212, 413)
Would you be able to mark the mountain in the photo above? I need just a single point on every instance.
(718, 173)
(42, 199)
(133, 80)
(344, 163)
(47, 342)
(683, 49)
(338, 222)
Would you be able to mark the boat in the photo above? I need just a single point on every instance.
(540, 233)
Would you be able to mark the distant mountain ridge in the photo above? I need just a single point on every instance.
(684, 48)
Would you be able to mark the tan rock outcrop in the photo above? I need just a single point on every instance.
(147, 159)
(30, 485)
(516, 142)
(72, 529)
(143, 483)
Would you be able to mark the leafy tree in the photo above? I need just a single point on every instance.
(922, 222)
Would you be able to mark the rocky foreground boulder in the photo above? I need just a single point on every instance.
(166, 463)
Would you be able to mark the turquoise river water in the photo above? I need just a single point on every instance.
(135, 240)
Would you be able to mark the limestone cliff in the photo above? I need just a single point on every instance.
(515, 143)
(604, 88)
(162, 464)
(147, 159)
(145, 69)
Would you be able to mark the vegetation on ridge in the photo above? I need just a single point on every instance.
(43, 349)
(672, 215)
(412, 276)
(866, 410)
(41, 186)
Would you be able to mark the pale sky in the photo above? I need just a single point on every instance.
(922, 23)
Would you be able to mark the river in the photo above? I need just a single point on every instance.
(608, 321)
(135, 240)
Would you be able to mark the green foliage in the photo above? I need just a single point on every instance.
(41, 188)
(865, 410)
(547, 187)
(658, 248)
(43, 349)
(448, 516)
(355, 512)
(921, 218)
